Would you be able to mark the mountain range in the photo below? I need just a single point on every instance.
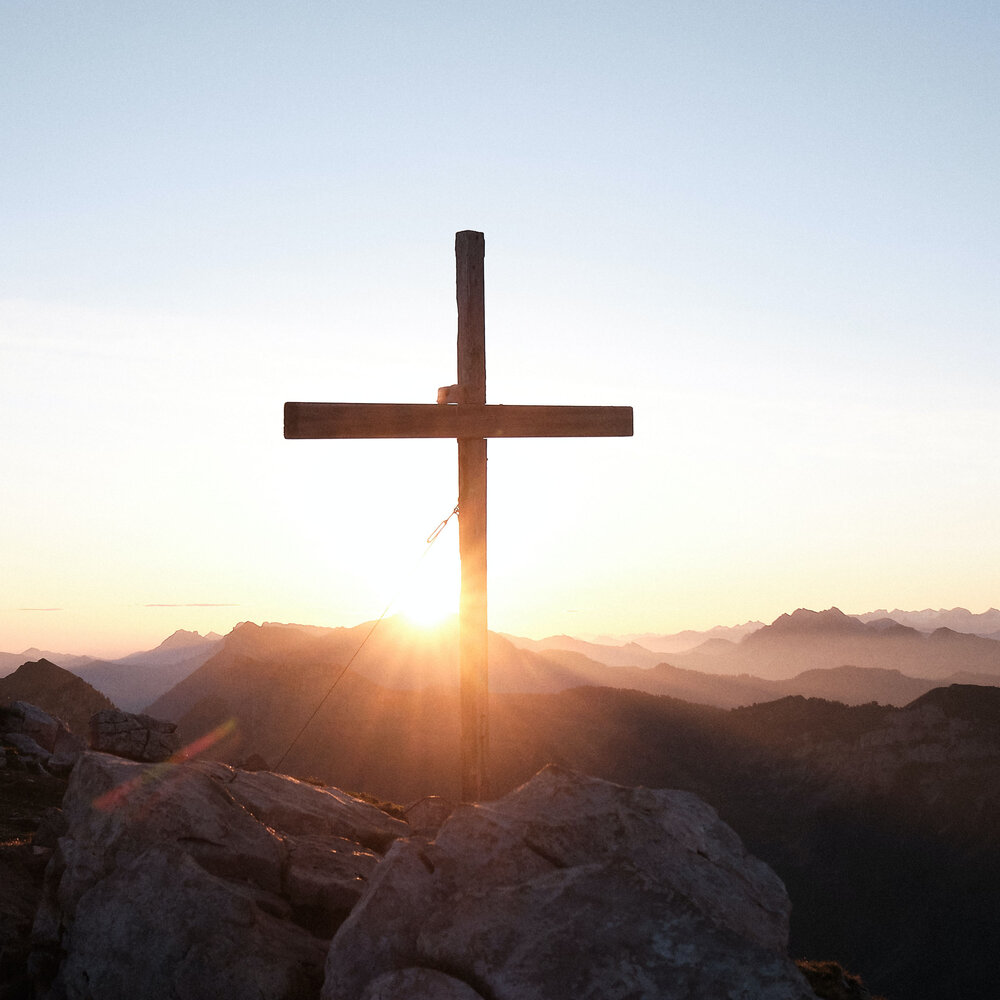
(883, 822)
(132, 681)
(810, 640)
(986, 624)
(11, 661)
(825, 653)
(853, 659)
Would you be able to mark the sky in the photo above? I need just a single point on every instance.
(769, 227)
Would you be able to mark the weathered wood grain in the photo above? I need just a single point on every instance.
(464, 420)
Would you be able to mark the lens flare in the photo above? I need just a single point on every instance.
(115, 797)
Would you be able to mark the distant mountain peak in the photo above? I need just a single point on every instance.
(891, 627)
(804, 620)
(39, 666)
(182, 638)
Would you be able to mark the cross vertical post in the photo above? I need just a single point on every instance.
(474, 692)
(461, 412)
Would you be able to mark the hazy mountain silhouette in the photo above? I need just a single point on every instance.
(629, 654)
(792, 645)
(134, 681)
(398, 656)
(809, 640)
(806, 652)
(11, 661)
(958, 619)
(679, 642)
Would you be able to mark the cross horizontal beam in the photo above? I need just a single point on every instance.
(447, 420)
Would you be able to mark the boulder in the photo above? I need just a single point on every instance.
(570, 887)
(65, 752)
(27, 749)
(22, 717)
(135, 737)
(161, 925)
(167, 884)
(40, 739)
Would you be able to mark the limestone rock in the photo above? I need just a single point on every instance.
(571, 887)
(427, 814)
(166, 884)
(40, 739)
(284, 803)
(413, 983)
(135, 737)
(28, 719)
(65, 752)
(51, 826)
(27, 748)
(325, 876)
(160, 925)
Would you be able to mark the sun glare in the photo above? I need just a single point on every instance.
(432, 595)
(428, 606)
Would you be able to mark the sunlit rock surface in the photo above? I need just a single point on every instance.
(199, 881)
(570, 887)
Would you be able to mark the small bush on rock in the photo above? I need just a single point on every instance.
(830, 981)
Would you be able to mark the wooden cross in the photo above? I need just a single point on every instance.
(461, 412)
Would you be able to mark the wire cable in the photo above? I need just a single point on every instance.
(431, 539)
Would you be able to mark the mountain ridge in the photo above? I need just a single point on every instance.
(770, 661)
(57, 691)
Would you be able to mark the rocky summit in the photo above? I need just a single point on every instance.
(199, 880)
(570, 887)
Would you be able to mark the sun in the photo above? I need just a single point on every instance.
(431, 596)
(426, 613)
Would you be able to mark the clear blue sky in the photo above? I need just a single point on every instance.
(772, 228)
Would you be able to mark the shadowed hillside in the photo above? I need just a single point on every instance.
(56, 691)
